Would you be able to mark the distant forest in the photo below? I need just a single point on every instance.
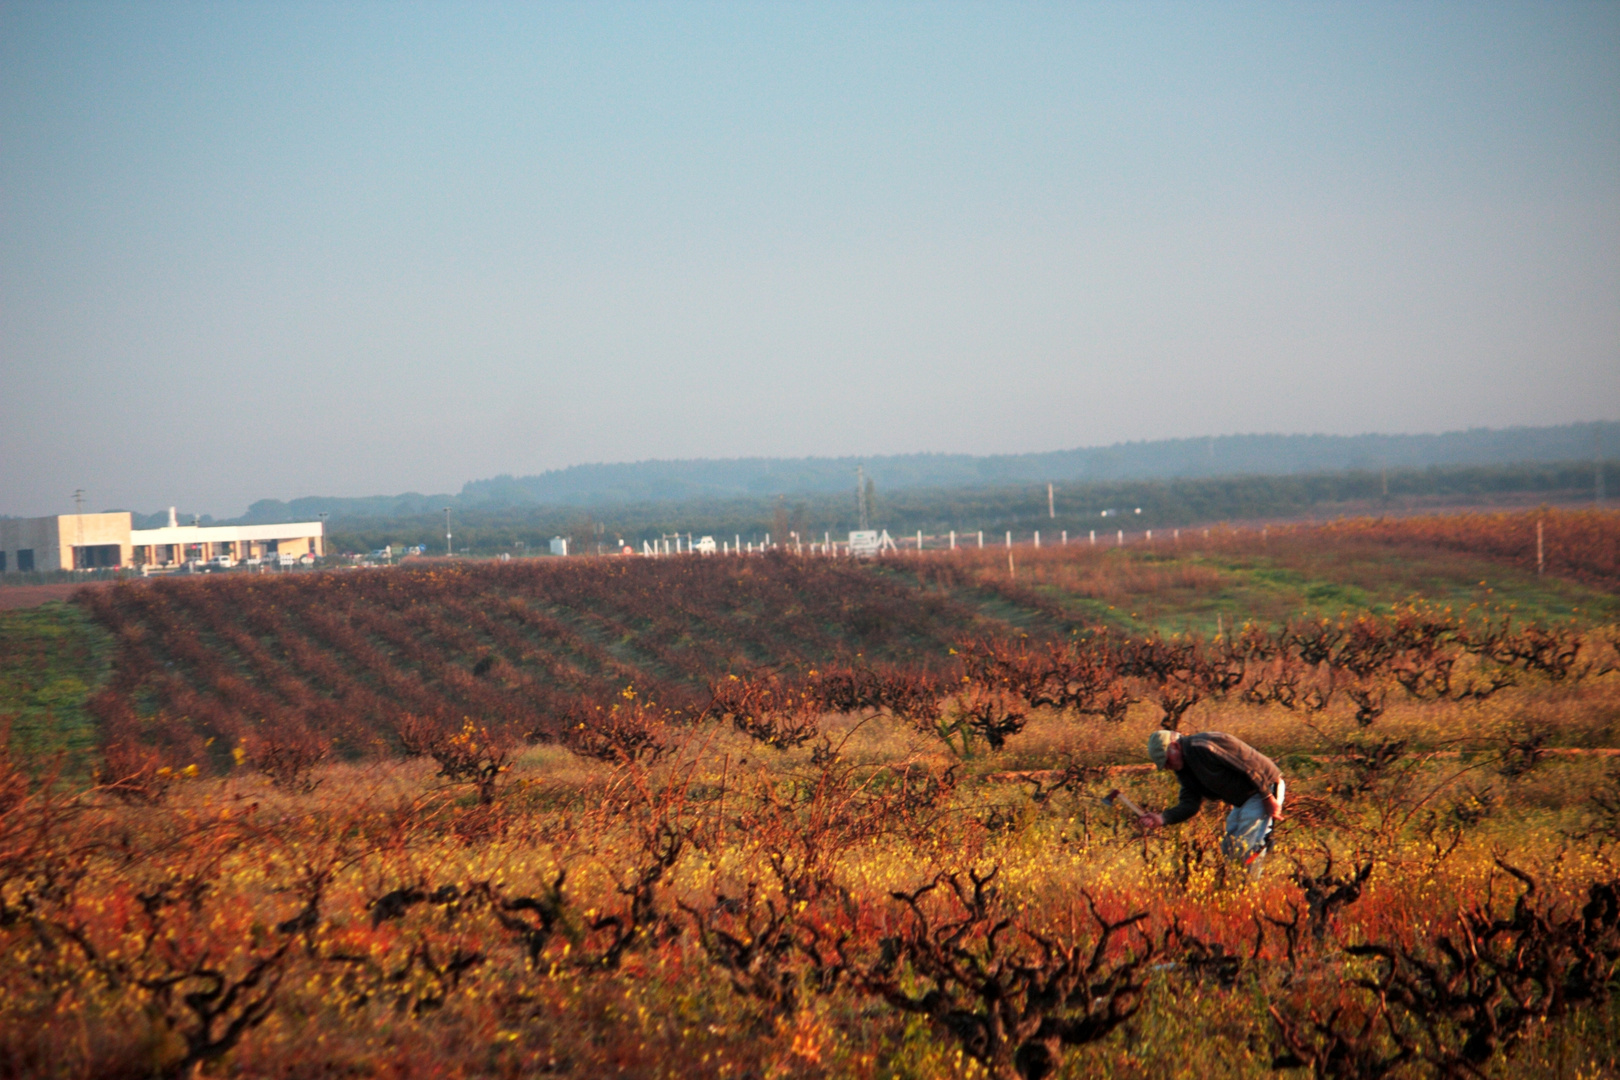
(994, 508)
(628, 488)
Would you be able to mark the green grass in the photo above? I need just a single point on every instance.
(1270, 588)
(1186, 590)
(52, 657)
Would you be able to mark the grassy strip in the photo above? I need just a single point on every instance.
(52, 657)
(1183, 589)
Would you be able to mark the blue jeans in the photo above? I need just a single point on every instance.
(1248, 827)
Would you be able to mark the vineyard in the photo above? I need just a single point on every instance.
(786, 816)
(520, 647)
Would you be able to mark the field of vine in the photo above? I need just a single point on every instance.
(784, 816)
(205, 666)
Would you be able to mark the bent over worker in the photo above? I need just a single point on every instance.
(1211, 765)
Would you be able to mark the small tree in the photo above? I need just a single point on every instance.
(476, 754)
(287, 756)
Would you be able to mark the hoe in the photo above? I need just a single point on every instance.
(1119, 799)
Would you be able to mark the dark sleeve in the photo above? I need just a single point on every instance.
(1192, 797)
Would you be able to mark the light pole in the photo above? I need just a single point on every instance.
(447, 550)
(78, 520)
(323, 535)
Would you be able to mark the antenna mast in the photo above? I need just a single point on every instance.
(78, 523)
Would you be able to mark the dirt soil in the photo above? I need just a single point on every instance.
(23, 596)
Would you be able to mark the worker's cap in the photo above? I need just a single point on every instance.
(1159, 745)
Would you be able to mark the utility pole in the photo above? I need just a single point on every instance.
(447, 550)
(78, 520)
(860, 494)
(1051, 507)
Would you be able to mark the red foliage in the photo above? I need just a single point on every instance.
(515, 646)
(1583, 544)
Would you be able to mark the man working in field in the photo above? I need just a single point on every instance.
(1216, 766)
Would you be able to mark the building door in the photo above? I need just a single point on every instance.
(96, 556)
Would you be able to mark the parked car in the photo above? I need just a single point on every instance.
(221, 562)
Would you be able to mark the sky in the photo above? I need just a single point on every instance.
(273, 250)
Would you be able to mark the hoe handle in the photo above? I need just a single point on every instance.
(1119, 796)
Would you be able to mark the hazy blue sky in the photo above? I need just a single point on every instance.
(271, 250)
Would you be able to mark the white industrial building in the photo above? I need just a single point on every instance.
(105, 541)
